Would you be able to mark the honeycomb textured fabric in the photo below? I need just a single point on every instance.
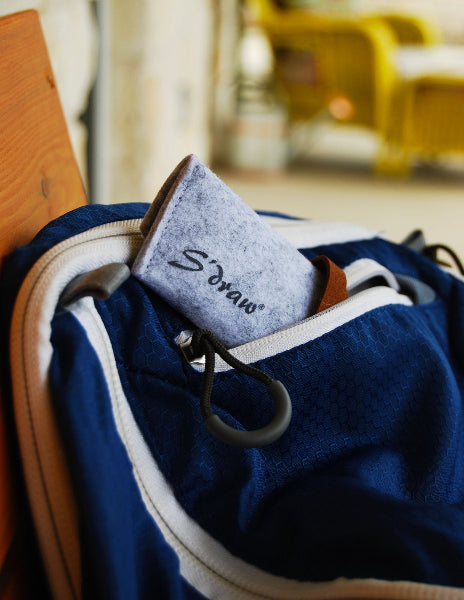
(211, 257)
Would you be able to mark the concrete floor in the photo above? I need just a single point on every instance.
(431, 198)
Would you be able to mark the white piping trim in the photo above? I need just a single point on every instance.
(362, 270)
(48, 483)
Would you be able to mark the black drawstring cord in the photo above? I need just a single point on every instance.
(431, 252)
(416, 241)
(204, 343)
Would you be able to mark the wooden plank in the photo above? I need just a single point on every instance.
(39, 180)
(39, 177)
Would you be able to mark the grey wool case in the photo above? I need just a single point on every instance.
(216, 261)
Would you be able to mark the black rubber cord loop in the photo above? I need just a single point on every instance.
(205, 343)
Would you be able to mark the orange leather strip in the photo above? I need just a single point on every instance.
(335, 289)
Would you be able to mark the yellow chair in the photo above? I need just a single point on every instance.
(342, 65)
(426, 119)
(409, 29)
(346, 68)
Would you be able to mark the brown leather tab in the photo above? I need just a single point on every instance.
(335, 289)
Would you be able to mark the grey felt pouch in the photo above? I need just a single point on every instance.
(220, 264)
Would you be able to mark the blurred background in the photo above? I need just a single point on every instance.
(345, 110)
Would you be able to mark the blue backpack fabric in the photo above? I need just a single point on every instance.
(362, 495)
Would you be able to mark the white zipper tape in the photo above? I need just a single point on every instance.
(307, 330)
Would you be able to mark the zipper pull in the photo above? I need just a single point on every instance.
(204, 345)
(99, 283)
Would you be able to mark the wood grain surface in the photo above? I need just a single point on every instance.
(39, 180)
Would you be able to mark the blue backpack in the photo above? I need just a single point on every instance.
(362, 495)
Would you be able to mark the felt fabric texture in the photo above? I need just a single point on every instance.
(216, 261)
